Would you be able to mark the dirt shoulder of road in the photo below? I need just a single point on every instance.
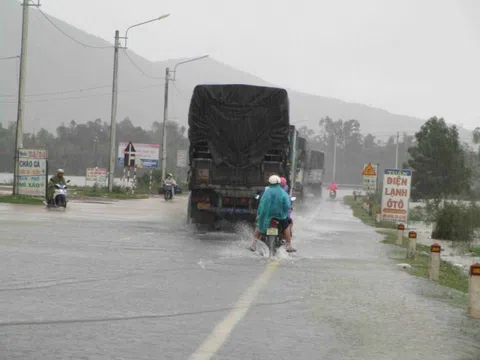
(451, 275)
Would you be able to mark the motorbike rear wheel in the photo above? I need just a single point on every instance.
(271, 241)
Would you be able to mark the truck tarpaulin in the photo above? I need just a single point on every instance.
(317, 159)
(239, 122)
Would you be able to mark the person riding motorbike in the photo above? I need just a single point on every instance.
(170, 181)
(333, 187)
(57, 179)
(274, 204)
(283, 184)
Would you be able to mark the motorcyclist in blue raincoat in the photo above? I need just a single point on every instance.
(274, 204)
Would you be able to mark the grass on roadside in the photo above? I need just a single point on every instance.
(20, 199)
(476, 251)
(362, 214)
(450, 276)
(76, 193)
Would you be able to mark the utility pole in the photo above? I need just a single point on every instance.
(396, 151)
(113, 122)
(21, 91)
(334, 156)
(165, 107)
(165, 117)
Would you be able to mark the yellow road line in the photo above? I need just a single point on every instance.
(223, 329)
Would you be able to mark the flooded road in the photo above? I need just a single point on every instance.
(128, 280)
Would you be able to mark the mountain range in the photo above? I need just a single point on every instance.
(69, 77)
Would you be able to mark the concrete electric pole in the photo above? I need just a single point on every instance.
(165, 109)
(113, 122)
(21, 90)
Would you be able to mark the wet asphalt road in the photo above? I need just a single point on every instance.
(128, 280)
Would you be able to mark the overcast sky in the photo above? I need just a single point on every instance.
(413, 57)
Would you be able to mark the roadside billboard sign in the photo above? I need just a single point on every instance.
(32, 172)
(181, 158)
(396, 195)
(146, 155)
(369, 175)
(96, 176)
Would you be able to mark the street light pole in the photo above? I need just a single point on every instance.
(21, 91)
(396, 152)
(165, 108)
(334, 156)
(165, 117)
(113, 122)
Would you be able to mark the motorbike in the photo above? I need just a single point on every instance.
(333, 194)
(273, 238)
(59, 197)
(168, 191)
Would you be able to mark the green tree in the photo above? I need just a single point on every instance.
(438, 162)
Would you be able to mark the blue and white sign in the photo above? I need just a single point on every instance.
(146, 155)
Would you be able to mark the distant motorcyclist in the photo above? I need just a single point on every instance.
(333, 186)
(274, 204)
(170, 181)
(54, 180)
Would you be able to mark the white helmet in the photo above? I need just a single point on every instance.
(60, 171)
(274, 179)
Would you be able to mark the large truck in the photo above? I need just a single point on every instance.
(315, 172)
(239, 137)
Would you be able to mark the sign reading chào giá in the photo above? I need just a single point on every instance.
(32, 172)
(396, 194)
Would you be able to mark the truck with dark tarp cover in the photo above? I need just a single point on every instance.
(315, 171)
(239, 137)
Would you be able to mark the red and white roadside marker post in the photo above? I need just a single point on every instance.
(134, 183)
(400, 231)
(434, 262)
(474, 291)
(412, 245)
(377, 217)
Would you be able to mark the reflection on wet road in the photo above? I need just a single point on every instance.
(128, 280)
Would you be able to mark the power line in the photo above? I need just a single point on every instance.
(71, 38)
(139, 69)
(10, 57)
(59, 92)
(84, 97)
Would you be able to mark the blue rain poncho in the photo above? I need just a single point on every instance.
(275, 203)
